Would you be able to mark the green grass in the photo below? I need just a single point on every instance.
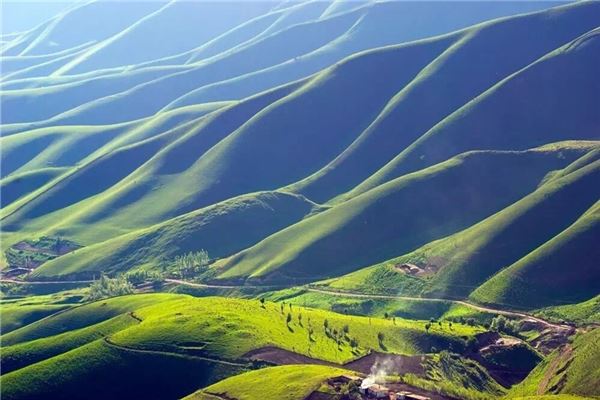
(181, 342)
(21, 311)
(581, 313)
(317, 247)
(245, 220)
(450, 374)
(242, 325)
(517, 126)
(292, 382)
(541, 278)
(377, 307)
(564, 373)
(108, 372)
(461, 262)
(20, 355)
(81, 316)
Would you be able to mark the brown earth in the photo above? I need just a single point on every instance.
(397, 364)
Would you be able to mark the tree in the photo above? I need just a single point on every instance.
(289, 318)
(427, 327)
(326, 324)
(109, 287)
(192, 264)
(346, 329)
(386, 315)
(262, 302)
(282, 306)
(299, 319)
(380, 337)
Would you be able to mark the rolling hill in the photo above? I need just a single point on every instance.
(407, 190)
(458, 264)
(390, 219)
(183, 343)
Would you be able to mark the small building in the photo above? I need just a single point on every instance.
(376, 391)
(408, 268)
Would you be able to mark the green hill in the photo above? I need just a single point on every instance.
(456, 265)
(286, 382)
(586, 312)
(533, 112)
(243, 220)
(571, 370)
(561, 271)
(397, 217)
(184, 343)
(486, 53)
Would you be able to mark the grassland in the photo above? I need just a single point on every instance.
(203, 339)
(581, 313)
(317, 247)
(570, 370)
(458, 264)
(245, 220)
(291, 382)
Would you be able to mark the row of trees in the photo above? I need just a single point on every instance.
(192, 264)
(106, 287)
(187, 266)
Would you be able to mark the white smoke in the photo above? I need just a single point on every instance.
(379, 371)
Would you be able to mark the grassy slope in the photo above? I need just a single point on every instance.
(236, 54)
(561, 271)
(526, 101)
(218, 328)
(15, 316)
(243, 220)
(470, 257)
(381, 24)
(19, 185)
(486, 53)
(290, 382)
(108, 372)
(230, 328)
(581, 313)
(31, 352)
(81, 317)
(23, 104)
(115, 163)
(578, 373)
(224, 169)
(390, 219)
(451, 374)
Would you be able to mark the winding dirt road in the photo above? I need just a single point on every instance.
(487, 309)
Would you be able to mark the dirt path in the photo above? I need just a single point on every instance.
(340, 294)
(564, 355)
(431, 299)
